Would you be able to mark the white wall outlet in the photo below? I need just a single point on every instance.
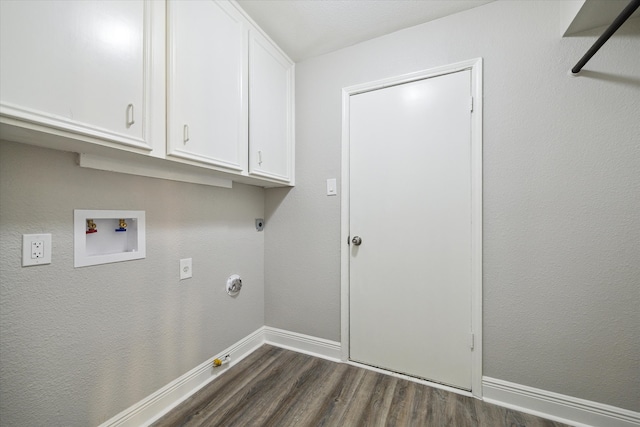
(185, 269)
(36, 249)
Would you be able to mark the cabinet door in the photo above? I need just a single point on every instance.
(79, 66)
(271, 148)
(207, 117)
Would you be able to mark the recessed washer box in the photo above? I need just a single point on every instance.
(105, 236)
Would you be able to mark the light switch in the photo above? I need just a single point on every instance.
(332, 189)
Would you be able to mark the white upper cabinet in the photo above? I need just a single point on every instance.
(207, 80)
(271, 148)
(176, 85)
(77, 66)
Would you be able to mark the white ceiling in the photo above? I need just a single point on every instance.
(307, 28)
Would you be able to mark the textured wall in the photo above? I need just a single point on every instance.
(77, 346)
(561, 185)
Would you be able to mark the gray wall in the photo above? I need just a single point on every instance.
(80, 345)
(561, 242)
(561, 185)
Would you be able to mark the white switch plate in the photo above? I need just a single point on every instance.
(36, 249)
(332, 189)
(185, 269)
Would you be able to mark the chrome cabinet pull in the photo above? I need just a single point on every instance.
(357, 240)
(130, 119)
(260, 158)
(185, 134)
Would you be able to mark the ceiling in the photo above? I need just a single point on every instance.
(307, 28)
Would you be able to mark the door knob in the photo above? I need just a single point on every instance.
(357, 240)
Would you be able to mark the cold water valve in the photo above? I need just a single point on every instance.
(122, 225)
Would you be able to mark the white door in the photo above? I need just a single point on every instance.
(410, 203)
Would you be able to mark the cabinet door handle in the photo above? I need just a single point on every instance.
(260, 158)
(130, 119)
(185, 134)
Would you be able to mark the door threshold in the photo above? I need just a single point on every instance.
(433, 384)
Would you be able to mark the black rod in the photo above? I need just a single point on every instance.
(624, 15)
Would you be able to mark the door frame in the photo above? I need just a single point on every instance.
(475, 66)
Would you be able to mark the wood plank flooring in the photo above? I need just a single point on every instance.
(277, 387)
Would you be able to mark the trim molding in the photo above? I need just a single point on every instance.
(152, 168)
(318, 347)
(151, 408)
(555, 406)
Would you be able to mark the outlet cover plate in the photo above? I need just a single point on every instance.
(43, 244)
(185, 269)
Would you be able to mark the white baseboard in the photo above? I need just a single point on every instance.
(313, 346)
(554, 406)
(153, 407)
(168, 397)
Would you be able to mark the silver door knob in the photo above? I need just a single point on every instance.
(357, 240)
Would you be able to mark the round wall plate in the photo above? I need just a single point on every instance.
(234, 284)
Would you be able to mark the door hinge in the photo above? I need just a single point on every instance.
(472, 341)
(471, 103)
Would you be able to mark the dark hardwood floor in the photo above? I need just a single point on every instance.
(277, 387)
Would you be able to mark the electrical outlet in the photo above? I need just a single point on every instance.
(185, 269)
(36, 249)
